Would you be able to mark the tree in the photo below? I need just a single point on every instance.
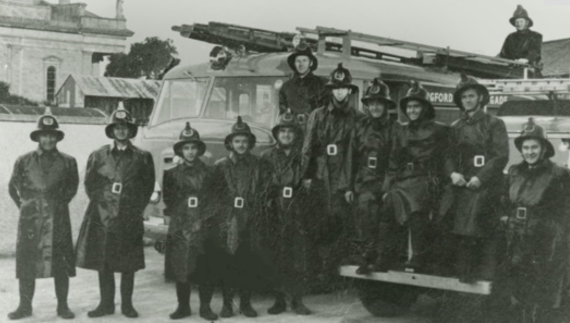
(144, 60)
(7, 98)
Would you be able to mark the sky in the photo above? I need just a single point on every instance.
(475, 26)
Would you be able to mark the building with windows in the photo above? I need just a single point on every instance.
(42, 43)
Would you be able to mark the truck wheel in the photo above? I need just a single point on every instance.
(386, 299)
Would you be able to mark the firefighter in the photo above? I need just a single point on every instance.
(537, 225)
(370, 149)
(287, 203)
(304, 91)
(190, 254)
(524, 45)
(326, 173)
(412, 180)
(119, 181)
(479, 151)
(238, 181)
(43, 183)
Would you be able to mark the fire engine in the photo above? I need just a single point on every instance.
(250, 66)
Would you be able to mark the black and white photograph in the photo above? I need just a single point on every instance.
(395, 161)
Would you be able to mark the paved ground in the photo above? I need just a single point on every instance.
(155, 299)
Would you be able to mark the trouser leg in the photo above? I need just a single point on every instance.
(419, 239)
(183, 297)
(61, 291)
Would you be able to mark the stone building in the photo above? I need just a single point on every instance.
(42, 43)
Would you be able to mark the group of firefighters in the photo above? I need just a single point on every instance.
(339, 186)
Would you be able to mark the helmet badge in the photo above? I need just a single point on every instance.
(121, 115)
(47, 121)
(339, 76)
(375, 89)
(188, 132)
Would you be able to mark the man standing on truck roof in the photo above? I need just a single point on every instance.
(524, 45)
(119, 181)
(43, 183)
(327, 169)
(477, 154)
(304, 92)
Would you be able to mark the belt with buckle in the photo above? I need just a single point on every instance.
(372, 162)
(521, 213)
(332, 150)
(239, 202)
(287, 192)
(479, 161)
(192, 202)
(117, 188)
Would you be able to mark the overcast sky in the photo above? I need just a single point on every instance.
(477, 26)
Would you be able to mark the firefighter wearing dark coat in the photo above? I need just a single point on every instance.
(327, 169)
(43, 183)
(412, 180)
(286, 210)
(238, 181)
(524, 45)
(304, 92)
(537, 230)
(119, 181)
(370, 150)
(190, 252)
(479, 151)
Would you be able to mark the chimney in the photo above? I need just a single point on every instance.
(63, 2)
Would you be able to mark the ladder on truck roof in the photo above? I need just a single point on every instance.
(261, 40)
(528, 86)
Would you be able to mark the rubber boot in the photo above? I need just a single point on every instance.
(127, 287)
(227, 309)
(465, 261)
(298, 306)
(280, 304)
(206, 293)
(61, 292)
(245, 304)
(107, 290)
(183, 296)
(27, 288)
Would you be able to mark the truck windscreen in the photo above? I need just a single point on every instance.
(255, 99)
(180, 99)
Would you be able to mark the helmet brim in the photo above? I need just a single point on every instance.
(179, 144)
(132, 127)
(477, 87)
(513, 19)
(228, 140)
(430, 113)
(550, 152)
(291, 61)
(34, 135)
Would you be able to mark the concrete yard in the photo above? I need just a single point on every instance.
(155, 299)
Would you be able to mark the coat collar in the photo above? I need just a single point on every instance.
(128, 148)
(40, 151)
(235, 158)
(480, 114)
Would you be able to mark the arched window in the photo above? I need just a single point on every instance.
(50, 85)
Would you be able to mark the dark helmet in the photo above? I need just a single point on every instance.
(287, 119)
(531, 130)
(219, 57)
(520, 12)
(339, 78)
(378, 91)
(467, 82)
(189, 135)
(302, 50)
(240, 128)
(47, 124)
(418, 93)
(121, 116)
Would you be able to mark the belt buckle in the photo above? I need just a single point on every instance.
(479, 161)
(287, 192)
(410, 167)
(372, 162)
(193, 202)
(301, 118)
(117, 188)
(521, 213)
(332, 150)
(239, 202)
